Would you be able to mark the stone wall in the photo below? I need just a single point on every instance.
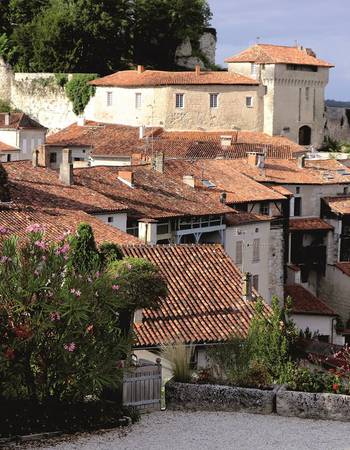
(210, 397)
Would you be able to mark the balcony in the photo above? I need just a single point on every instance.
(197, 226)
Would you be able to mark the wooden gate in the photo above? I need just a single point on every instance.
(142, 387)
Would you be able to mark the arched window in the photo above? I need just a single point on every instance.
(304, 135)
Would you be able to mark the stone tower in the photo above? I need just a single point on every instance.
(294, 81)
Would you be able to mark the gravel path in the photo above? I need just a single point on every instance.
(210, 431)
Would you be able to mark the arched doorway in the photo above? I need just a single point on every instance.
(304, 135)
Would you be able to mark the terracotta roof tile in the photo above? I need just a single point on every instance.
(277, 54)
(19, 121)
(303, 302)
(278, 171)
(240, 218)
(7, 148)
(204, 302)
(340, 205)
(344, 267)
(238, 187)
(56, 221)
(161, 78)
(309, 224)
(41, 187)
(153, 195)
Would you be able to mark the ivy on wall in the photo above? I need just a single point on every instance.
(79, 91)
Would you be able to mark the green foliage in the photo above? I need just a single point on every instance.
(60, 326)
(66, 35)
(315, 380)
(331, 145)
(61, 79)
(4, 189)
(179, 355)
(109, 252)
(79, 91)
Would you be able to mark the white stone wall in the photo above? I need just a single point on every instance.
(247, 233)
(334, 290)
(284, 90)
(315, 323)
(158, 107)
(119, 220)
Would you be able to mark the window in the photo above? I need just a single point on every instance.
(256, 282)
(179, 100)
(256, 250)
(109, 98)
(110, 219)
(8, 157)
(253, 70)
(297, 206)
(265, 209)
(297, 190)
(249, 102)
(53, 158)
(214, 100)
(307, 93)
(138, 100)
(346, 190)
(302, 67)
(239, 252)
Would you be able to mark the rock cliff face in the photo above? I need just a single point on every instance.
(187, 56)
(337, 124)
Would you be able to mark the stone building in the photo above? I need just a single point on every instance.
(294, 81)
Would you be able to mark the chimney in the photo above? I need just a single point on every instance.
(81, 121)
(138, 316)
(247, 285)
(66, 167)
(225, 141)
(142, 131)
(43, 152)
(127, 177)
(7, 119)
(252, 158)
(198, 69)
(189, 180)
(223, 197)
(35, 158)
(158, 162)
(301, 161)
(140, 69)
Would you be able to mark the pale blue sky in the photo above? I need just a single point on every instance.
(323, 25)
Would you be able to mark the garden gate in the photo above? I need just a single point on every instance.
(142, 387)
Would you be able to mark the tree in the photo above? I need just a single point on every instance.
(4, 190)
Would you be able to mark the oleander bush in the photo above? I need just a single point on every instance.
(65, 316)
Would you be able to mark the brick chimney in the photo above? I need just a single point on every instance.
(126, 177)
(198, 69)
(158, 162)
(41, 156)
(301, 161)
(247, 286)
(140, 69)
(35, 158)
(66, 167)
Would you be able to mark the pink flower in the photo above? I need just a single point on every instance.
(55, 316)
(3, 230)
(72, 291)
(115, 287)
(34, 228)
(70, 347)
(78, 293)
(97, 274)
(40, 244)
(63, 250)
(4, 259)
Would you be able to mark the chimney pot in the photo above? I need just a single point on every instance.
(81, 121)
(127, 177)
(35, 158)
(198, 69)
(140, 69)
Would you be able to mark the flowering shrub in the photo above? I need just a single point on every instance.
(61, 336)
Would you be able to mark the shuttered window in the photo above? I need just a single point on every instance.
(256, 282)
(256, 250)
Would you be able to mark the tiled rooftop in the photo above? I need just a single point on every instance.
(132, 78)
(19, 121)
(344, 267)
(153, 194)
(204, 302)
(303, 302)
(339, 205)
(278, 54)
(309, 224)
(7, 148)
(41, 187)
(238, 187)
(56, 221)
(282, 172)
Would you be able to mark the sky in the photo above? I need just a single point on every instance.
(323, 25)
